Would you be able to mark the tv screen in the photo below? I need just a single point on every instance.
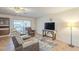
(50, 26)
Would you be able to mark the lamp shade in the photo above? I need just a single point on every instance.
(71, 24)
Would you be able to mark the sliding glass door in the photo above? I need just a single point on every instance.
(21, 25)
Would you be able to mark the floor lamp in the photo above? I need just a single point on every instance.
(71, 25)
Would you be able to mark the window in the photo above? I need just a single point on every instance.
(20, 25)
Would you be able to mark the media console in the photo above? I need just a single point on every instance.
(4, 26)
(52, 32)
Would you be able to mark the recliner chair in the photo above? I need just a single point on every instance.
(30, 31)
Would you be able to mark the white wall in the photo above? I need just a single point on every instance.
(60, 19)
(40, 23)
(63, 32)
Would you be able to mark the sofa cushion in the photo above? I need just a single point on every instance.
(29, 42)
(18, 37)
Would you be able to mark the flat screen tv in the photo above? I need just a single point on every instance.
(50, 26)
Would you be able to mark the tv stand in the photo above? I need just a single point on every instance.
(52, 32)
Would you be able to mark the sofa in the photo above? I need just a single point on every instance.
(26, 46)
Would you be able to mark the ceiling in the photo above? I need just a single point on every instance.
(35, 11)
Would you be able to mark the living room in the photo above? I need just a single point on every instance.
(21, 19)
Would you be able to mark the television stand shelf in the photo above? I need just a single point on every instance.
(52, 32)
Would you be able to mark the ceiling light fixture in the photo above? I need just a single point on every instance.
(19, 9)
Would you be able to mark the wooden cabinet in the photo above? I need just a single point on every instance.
(4, 26)
(52, 32)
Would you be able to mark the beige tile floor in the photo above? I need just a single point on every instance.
(6, 44)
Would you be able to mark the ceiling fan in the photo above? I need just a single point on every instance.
(19, 9)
